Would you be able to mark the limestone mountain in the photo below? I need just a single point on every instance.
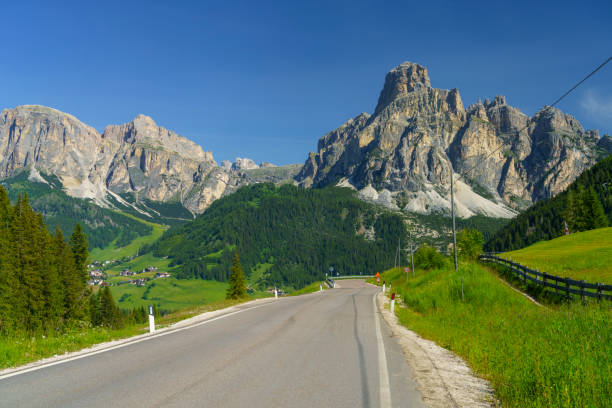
(134, 164)
(403, 154)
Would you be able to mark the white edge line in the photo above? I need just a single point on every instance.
(93, 353)
(383, 372)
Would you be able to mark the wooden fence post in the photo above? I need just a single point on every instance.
(567, 292)
(599, 294)
(582, 296)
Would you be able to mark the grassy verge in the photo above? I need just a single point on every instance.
(533, 356)
(313, 287)
(18, 350)
(584, 255)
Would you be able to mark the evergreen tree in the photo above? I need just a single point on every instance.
(8, 281)
(73, 289)
(237, 282)
(594, 216)
(107, 313)
(53, 286)
(79, 245)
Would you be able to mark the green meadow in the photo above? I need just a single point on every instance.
(582, 256)
(533, 356)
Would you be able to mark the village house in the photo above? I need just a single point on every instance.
(162, 275)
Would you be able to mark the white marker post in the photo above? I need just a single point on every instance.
(151, 320)
(384, 287)
(275, 293)
(392, 302)
(320, 288)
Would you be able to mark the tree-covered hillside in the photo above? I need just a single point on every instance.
(297, 234)
(101, 225)
(580, 206)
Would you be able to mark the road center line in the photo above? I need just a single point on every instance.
(383, 372)
(128, 343)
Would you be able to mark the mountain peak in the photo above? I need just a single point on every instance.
(144, 120)
(401, 80)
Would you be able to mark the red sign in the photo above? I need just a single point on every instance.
(406, 270)
(377, 275)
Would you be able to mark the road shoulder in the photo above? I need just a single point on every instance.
(442, 377)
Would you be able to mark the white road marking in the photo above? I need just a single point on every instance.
(383, 372)
(129, 343)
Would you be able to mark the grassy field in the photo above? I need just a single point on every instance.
(533, 356)
(583, 255)
(313, 287)
(169, 293)
(112, 252)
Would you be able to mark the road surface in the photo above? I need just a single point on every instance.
(325, 349)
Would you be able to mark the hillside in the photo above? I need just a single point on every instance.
(289, 235)
(533, 356)
(544, 220)
(584, 255)
(101, 225)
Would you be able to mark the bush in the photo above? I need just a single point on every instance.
(428, 257)
(469, 243)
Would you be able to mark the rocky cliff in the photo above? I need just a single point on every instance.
(138, 159)
(403, 154)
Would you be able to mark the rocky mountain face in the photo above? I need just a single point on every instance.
(403, 154)
(138, 159)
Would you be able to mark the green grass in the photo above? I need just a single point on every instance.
(533, 356)
(112, 252)
(313, 287)
(18, 350)
(583, 255)
(22, 349)
(169, 293)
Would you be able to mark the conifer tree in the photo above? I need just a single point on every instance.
(79, 245)
(8, 282)
(594, 216)
(237, 282)
(108, 313)
(53, 285)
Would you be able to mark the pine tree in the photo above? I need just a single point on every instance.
(79, 245)
(73, 289)
(8, 280)
(237, 282)
(53, 285)
(594, 216)
(108, 312)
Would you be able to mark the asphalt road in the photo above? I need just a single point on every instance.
(318, 350)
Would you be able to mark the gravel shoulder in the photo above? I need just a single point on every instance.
(443, 378)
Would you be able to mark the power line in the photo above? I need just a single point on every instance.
(464, 174)
(584, 79)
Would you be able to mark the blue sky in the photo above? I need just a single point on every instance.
(266, 80)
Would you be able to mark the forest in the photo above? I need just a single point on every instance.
(300, 232)
(586, 204)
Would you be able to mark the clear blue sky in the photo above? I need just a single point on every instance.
(265, 80)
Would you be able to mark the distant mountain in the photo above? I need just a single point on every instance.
(125, 164)
(285, 236)
(401, 156)
(47, 197)
(545, 219)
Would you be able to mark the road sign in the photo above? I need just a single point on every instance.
(378, 280)
(406, 270)
(377, 274)
(331, 269)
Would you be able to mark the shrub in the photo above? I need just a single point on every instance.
(469, 243)
(428, 257)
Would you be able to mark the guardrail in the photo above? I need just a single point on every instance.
(354, 277)
(565, 286)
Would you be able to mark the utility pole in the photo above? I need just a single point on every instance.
(453, 216)
(411, 258)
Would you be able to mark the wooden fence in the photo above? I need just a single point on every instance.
(562, 286)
